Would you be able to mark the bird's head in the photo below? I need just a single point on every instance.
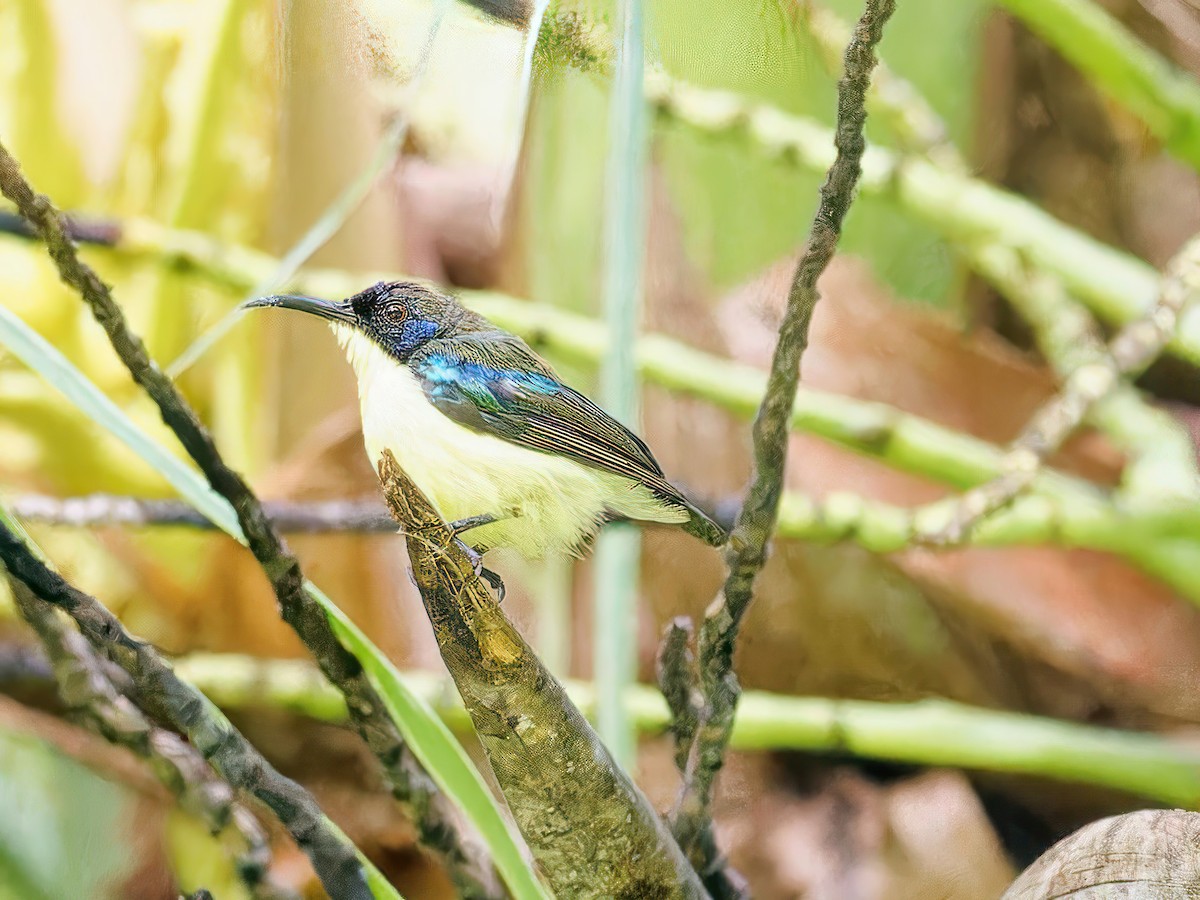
(398, 317)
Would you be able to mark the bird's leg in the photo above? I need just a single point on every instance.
(461, 525)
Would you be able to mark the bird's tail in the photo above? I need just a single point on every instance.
(698, 523)
(701, 526)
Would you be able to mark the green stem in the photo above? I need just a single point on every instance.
(618, 549)
(966, 211)
(927, 732)
(904, 441)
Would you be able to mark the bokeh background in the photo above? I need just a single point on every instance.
(242, 120)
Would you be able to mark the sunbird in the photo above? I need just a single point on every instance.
(484, 427)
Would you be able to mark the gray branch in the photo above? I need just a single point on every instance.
(100, 510)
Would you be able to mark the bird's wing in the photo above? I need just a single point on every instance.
(493, 383)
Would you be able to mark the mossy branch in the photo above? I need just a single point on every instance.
(571, 801)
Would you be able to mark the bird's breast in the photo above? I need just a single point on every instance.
(544, 502)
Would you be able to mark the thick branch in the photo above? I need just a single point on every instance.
(747, 547)
(86, 689)
(572, 802)
(410, 784)
(190, 712)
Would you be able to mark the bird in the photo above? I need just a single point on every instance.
(508, 454)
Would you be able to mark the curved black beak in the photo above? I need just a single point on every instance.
(334, 310)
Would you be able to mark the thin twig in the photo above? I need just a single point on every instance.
(1130, 351)
(190, 712)
(1161, 461)
(411, 785)
(747, 550)
(289, 517)
(84, 685)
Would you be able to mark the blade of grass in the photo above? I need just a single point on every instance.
(429, 738)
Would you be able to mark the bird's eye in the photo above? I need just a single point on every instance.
(393, 313)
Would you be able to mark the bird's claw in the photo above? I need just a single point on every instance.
(476, 558)
(494, 580)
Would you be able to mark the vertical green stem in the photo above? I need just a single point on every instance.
(554, 633)
(617, 550)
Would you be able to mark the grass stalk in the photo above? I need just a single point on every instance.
(618, 549)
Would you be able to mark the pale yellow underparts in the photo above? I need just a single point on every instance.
(552, 504)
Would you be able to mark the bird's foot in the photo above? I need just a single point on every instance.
(496, 582)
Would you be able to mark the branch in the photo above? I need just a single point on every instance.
(747, 548)
(569, 798)
(1132, 349)
(410, 784)
(190, 712)
(86, 689)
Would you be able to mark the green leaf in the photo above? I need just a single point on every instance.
(431, 741)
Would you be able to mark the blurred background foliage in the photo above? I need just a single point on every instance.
(244, 119)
